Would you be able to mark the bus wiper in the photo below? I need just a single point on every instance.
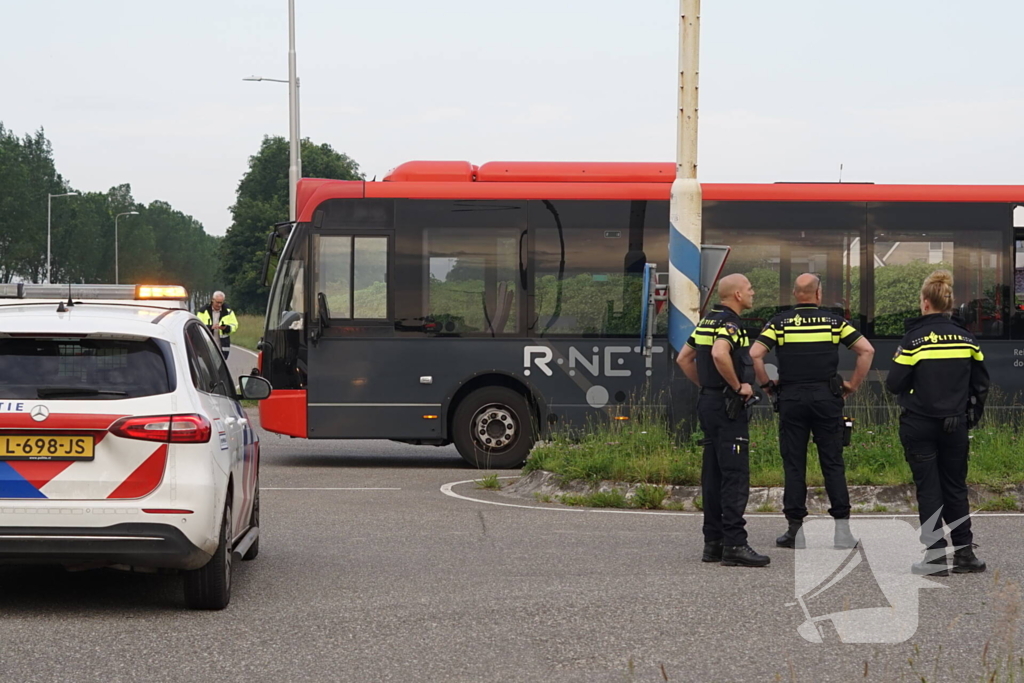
(53, 392)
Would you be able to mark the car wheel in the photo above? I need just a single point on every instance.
(493, 428)
(254, 521)
(209, 587)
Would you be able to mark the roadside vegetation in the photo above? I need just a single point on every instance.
(644, 450)
(250, 329)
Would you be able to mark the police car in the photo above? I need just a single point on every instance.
(122, 439)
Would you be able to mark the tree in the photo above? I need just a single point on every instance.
(262, 201)
(159, 245)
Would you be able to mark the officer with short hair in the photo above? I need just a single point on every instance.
(810, 397)
(715, 359)
(940, 378)
(221, 320)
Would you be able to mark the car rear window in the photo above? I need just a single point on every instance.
(81, 368)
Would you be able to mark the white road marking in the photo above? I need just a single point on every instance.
(239, 348)
(446, 489)
(327, 488)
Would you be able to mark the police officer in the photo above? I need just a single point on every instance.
(221, 320)
(939, 375)
(810, 397)
(715, 358)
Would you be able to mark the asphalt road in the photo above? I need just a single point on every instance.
(369, 572)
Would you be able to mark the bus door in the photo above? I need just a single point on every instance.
(350, 297)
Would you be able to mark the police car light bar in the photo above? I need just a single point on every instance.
(93, 292)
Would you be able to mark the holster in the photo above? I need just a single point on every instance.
(733, 403)
(835, 385)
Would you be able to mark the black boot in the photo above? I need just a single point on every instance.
(788, 539)
(843, 539)
(712, 551)
(933, 564)
(966, 562)
(743, 556)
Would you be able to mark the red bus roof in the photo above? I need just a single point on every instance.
(612, 180)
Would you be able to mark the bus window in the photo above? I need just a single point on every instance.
(774, 242)
(910, 241)
(287, 298)
(588, 258)
(472, 280)
(352, 274)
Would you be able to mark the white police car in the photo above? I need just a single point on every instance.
(122, 439)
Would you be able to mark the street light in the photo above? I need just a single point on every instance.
(294, 153)
(49, 198)
(117, 274)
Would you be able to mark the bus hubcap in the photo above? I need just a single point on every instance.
(494, 427)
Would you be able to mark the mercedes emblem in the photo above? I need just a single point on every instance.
(40, 413)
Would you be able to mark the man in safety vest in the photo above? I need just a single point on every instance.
(221, 320)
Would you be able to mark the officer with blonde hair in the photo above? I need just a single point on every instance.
(939, 375)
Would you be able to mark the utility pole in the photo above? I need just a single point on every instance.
(685, 205)
(294, 155)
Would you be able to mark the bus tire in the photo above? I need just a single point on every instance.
(493, 428)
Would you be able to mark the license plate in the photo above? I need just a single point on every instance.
(37, 447)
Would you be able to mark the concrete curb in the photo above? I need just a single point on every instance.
(875, 499)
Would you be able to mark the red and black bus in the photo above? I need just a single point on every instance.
(485, 305)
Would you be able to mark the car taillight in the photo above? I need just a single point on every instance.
(164, 428)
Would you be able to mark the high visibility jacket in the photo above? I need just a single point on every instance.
(720, 323)
(938, 368)
(227, 318)
(806, 340)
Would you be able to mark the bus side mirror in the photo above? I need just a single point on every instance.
(271, 244)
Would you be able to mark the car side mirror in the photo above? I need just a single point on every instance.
(254, 388)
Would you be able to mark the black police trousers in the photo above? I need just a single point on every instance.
(938, 461)
(806, 409)
(725, 474)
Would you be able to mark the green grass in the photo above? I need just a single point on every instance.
(643, 450)
(766, 507)
(1003, 504)
(250, 329)
(491, 482)
(649, 496)
(597, 499)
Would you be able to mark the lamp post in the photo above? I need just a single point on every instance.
(117, 273)
(49, 198)
(294, 151)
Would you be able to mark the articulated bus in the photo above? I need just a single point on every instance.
(486, 306)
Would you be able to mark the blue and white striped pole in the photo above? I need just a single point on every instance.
(685, 205)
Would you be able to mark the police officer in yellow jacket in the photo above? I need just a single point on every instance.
(809, 397)
(939, 375)
(221, 320)
(715, 358)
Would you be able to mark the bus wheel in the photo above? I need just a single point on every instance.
(493, 428)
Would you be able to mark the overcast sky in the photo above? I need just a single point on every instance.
(151, 93)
